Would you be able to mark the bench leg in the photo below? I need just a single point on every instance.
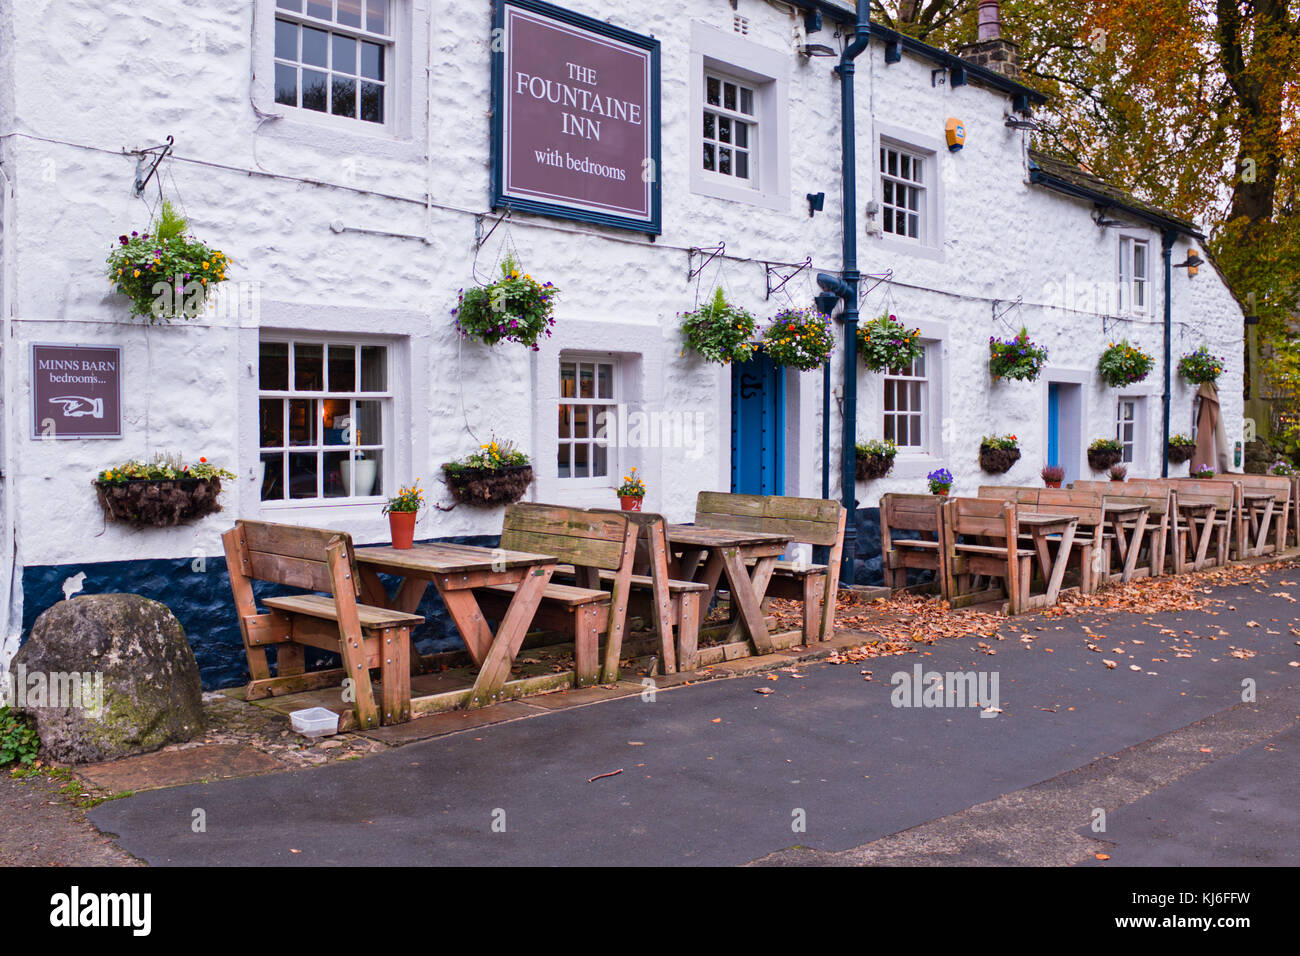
(290, 660)
(814, 586)
(395, 672)
(688, 632)
(586, 647)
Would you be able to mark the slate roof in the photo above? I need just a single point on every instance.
(1053, 173)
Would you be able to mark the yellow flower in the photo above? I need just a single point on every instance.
(205, 265)
(136, 274)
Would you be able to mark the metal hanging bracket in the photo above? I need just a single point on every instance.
(865, 290)
(1000, 316)
(709, 253)
(142, 178)
(774, 270)
(479, 237)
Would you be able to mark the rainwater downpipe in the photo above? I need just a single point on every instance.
(1167, 254)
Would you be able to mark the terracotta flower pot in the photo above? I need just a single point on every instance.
(942, 492)
(1051, 484)
(630, 502)
(401, 524)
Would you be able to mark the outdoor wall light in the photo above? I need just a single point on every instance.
(1016, 122)
(1192, 263)
(817, 49)
(816, 203)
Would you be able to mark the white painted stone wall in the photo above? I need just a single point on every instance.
(266, 184)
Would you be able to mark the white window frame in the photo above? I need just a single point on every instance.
(1128, 414)
(609, 442)
(333, 28)
(892, 182)
(1133, 286)
(386, 398)
(924, 415)
(737, 59)
(929, 243)
(720, 113)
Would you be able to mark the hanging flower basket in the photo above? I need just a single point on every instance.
(166, 274)
(1103, 453)
(998, 453)
(799, 339)
(497, 474)
(1200, 367)
(719, 332)
(1122, 364)
(515, 308)
(160, 495)
(1016, 358)
(873, 460)
(886, 343)
(1181, 449)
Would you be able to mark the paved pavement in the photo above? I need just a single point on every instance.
(716, 773)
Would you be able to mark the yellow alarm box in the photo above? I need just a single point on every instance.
(956, 130)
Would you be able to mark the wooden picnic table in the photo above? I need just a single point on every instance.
(1128, 522)
(706, 554)
(455, 570)
(1041, 527)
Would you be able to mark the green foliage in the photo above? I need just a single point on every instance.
(1184, 440)
(515, 308)
(162, 468)
(167, 275)
(875, 448)
(406, 500)
(1016, 358)
(633, 486)
(1200, 367)
(799, 338)
(886, 343)
(719, 332)
(18, 740)
(1106, 444)
(1004, 442)
(1122, 364)
(494, 456)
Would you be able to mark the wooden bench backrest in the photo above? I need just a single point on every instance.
(911, 512)
(587, 539)
(1087, 506)
(1221, 494)
(1014, 493)
(989, 517)
(650, 530)
(290, 555)
(1153, 494)
(1277, 485)
(804, 520)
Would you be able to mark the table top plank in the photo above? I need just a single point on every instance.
(441, 558)
(696, 537)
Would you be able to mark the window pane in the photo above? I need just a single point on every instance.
(272, 477)
(336, 419)
(568, 375)
(565, 427)
(599, 461)
(587, 381)
(602, 422)
(271, 418)
(343, 368)
(747, 101)
(581, 464)
(903, 169)
(562, 462)
(724, 161)
(370, 423)
(314, 95)
(724, 129)
(916, 169)
(889, 192)
(294, 5)
(918, 367)
(345, 96)
(307, 368)
(377, 487)
(345, 54)
(286, 85)
(890, 434)
(893, 163)
(350, 13)
(710, 126)
(302, 475)
(709, 162)
(273, 366)
(372, 103)
(729, 95)
(581, 417)
(742, 134)
(606, 384)
(742, 165)
(286, 40)
(324, 9)
(336, 481)
(372, 61)
(714, 91)
(377, 16)
(315, 47)
(374, 368)
(302, 421)
(913, 227)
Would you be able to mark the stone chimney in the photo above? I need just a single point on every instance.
(991, 50)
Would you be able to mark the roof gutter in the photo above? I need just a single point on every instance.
(1040, 178)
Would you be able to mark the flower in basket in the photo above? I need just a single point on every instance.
(1104, 452)
(886, 343)
(632, 487)
(162, 468)
(515, 308)
(1183, 441)
(1121, 364)
(1002, 442)
(1283, 468)
(940, 481)
(1106, 445)
(1203, 471)
(165, 273)
(1181, 449)
(874, 459)
(160, 493)
(498, 473)
(406, 500)
(999, 452)
(799, 338)
(1200, 367)
(1016, 358)
(720, 332)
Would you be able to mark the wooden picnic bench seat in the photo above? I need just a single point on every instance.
(365, 637)
(1152, 537)
(815, 521)
(922, 515)
(591, 542)
(1087, 506)
(968, 562)
(1262, 529)
(1215, 523)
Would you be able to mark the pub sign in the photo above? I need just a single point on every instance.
(76, 391)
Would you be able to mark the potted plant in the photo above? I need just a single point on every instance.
(165, 273)
(940, 481)
(998, 453)
(886, 343)
(1118, 472)
(1052, 475)
(874, 459)
(799, 339)
(1181, 449)
(1122, 364)
(160, 493)
(402, 510)
(1203, 471)
(1103, 453)
(1016, 358)
(497, 474)
(631, 492)
(1200, 367)
(720, 332)
(515, 308)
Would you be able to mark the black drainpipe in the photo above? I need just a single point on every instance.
(1166, 253)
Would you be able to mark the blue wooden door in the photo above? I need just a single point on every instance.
(1053, 424)
(758, 427)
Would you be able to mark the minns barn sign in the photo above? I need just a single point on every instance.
(575, 117)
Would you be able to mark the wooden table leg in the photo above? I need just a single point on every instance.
(1133, 546)
(1062, 559)
(759, 580)
(1206, 533)
(469, 620)
(510, 636)
(745, 599)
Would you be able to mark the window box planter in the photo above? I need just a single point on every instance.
(874, 460)
(999, 453)
(159, 503)
(488, 486)
(1103, 453)
(1181, 451)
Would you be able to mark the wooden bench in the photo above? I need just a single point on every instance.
(992, 520)
(1204, 514)
(1086, 506)
(1262, 528)
(592, 542)
(922, 514)
(365, 637)
(814, 521)
(1152, 540)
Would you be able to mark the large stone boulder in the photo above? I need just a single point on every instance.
(106, 676)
